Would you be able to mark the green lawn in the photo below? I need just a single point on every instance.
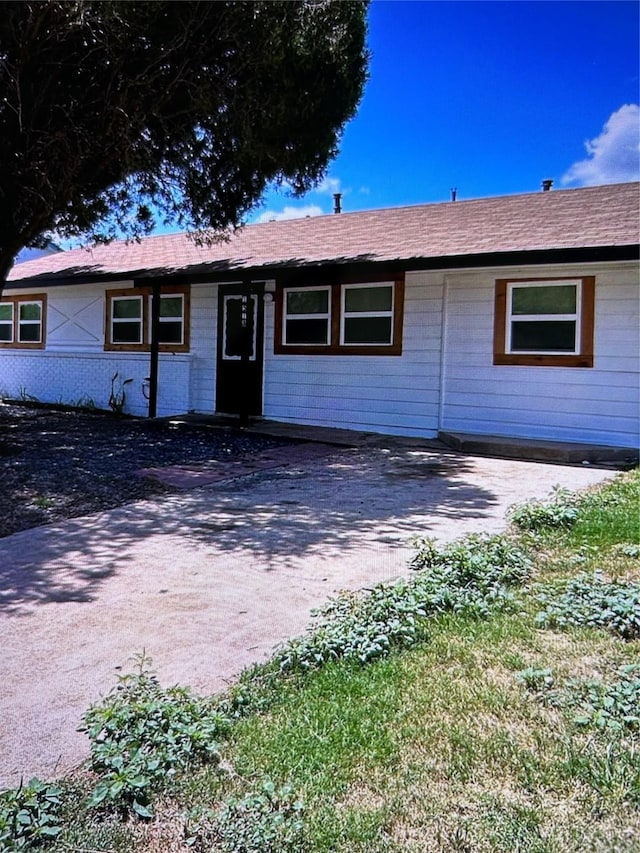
(495, 732)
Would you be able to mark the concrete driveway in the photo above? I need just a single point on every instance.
(207, 581)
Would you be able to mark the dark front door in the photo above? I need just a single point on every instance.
(240, 349)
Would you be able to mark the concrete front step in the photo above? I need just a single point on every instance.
(560, 452)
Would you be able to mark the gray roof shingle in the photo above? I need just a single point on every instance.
(603, 216)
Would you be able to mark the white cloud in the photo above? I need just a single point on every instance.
(290, 212)
(329, 186)
(614, 155)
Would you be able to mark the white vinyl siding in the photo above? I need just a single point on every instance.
(383, 394)
(448, 332)
(74, 369)
(600, 405)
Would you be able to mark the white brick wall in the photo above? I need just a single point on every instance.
(74, 368)
(85, 379)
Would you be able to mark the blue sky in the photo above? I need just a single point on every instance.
(487, 97)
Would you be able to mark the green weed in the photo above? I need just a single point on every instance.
(29, 816)
(142, 735)
(471, 576)
(269, 820)
(560, 512)
(594, 602)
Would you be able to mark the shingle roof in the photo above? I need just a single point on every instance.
(604, 216)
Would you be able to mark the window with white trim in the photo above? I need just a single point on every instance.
(171, 319)
(544, 321)
(22, 321)
(355, 318)
(128, 320)
(307, 316)
(366, 316)
(6, 322)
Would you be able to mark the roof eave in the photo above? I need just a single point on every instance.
(343, 267)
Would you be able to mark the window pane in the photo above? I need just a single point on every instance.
(30, 311)
(368, 299)
(367, 330)
(308, 302)
(171, 306)
(6, 311)
(124, 309)
(307, 331)
(6, 335)
(546, 299)
(29, 333)
(126, 333)
(543, 336)
(170, 333)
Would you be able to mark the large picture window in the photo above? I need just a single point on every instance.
(544, 322)
(358, 318)
(22, 321)
(128, 320)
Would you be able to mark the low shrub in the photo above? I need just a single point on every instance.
(592, 601)
(29, 816)
(359, 627)
(142, 734)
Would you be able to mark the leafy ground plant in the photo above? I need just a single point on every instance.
(592, 601)
(29, 816)
(471, 576)
(612, 704)
(264, 821)
(141, 735)
(559, 512)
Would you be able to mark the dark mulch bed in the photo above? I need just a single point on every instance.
(57, 464)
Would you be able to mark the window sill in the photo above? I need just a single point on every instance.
(22, 346)
(530, 360)
(375, 349)
(144, 348)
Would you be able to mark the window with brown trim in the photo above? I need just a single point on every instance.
(546, 322)
(23, 321)
(355, 318)
(128, 320)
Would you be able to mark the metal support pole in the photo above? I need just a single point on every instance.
(154, 350)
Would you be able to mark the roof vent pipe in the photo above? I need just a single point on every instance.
(454, 193)
(337, 206)
(547, 184)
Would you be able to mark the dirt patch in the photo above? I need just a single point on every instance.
(59, 464)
